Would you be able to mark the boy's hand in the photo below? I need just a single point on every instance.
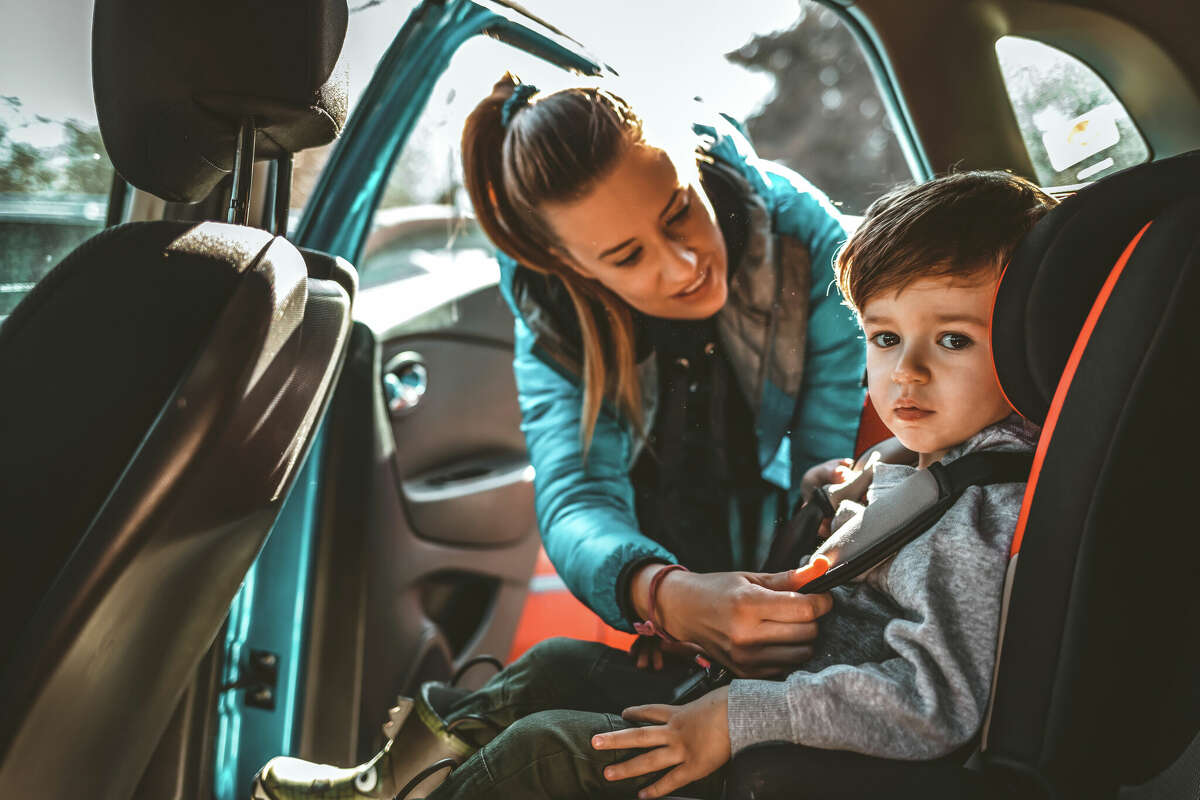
(832, 471)
(694, 739)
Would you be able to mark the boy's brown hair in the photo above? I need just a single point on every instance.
(958, 225)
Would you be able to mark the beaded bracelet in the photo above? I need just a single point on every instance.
(652, 626)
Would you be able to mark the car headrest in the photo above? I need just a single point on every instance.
(1057, 270)
(172, 80)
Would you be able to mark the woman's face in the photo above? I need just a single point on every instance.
(649, 239)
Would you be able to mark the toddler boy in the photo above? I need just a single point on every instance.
(903, 665)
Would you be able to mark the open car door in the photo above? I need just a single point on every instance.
(408, 546)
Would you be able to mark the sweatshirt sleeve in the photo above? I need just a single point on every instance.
(928, 694)
(585, 509)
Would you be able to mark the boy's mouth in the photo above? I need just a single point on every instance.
(909, 411)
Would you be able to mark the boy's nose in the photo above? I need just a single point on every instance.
(909, 369)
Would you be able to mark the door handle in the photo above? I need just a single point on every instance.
(405, 381)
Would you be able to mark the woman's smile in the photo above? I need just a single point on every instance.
(700, 283)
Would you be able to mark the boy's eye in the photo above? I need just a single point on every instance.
(955, 341)
(630, 259)
(885, 339)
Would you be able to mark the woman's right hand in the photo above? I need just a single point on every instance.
(756, 624)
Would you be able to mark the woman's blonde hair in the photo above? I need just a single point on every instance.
(554, 149)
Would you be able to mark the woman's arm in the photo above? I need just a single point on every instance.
(586, 515)
(585, 510)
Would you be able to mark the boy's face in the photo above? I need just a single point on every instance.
(929, 362)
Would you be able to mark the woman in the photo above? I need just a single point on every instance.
(681, 360)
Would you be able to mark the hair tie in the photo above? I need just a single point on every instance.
(519, 98)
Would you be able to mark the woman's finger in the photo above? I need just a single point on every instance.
(680, 776)
(658, 660)
(652, 736)
(657, 759)
(656, 713)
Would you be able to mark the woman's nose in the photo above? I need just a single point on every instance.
(680, 262)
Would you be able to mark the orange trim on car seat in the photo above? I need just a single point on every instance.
(991, 321)
(1064, 384)
(871, 430)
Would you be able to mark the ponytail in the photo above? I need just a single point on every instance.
(553, 150)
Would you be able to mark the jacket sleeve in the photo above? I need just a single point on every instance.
(929, 695)
(831, 398)
(585, 509)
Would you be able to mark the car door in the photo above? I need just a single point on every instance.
(409, 545)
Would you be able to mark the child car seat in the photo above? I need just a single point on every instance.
(1096, 692)
(160, 388)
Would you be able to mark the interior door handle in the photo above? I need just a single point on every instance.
(405, 381)
(466, 480)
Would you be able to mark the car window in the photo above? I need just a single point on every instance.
(371, 26)
(55, 175)
(824, 116)
(424, 223)
(797, 78)
(1074, 127)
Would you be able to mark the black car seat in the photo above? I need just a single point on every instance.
(160, 388)
(1097, 691)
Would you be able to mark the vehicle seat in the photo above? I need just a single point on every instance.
(1096, 694)
(160, 387)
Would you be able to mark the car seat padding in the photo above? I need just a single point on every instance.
(1057, 270)
(1096, 684)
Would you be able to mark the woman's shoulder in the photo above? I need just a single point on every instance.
(786, 192)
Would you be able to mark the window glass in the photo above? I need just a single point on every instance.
(1074, 127)
(370, 29)
(824, 116)
(799, 80)
(424, 224)
(55, 175)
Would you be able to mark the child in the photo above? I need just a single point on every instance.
(903, 664)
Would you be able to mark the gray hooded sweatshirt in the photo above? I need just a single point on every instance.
(903, 664)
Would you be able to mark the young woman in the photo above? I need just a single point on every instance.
(682, 358)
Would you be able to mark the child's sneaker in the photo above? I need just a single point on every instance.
(416, 741)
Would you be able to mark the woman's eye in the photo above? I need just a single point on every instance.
(630, 259)
(955, 341)
(885, 339)
(681, 214)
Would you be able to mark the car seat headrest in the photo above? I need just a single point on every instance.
(1059, 267)
(173, 80)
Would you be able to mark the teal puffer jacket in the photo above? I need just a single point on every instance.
(806, 398)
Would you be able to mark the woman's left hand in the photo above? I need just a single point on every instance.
(694, 739)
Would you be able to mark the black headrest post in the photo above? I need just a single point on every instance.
(283, 194)
(243, 173)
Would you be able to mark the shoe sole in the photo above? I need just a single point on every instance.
(260, 792)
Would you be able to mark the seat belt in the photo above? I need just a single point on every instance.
(895, 519)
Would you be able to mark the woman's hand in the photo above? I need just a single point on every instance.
(755, 624)
(694, 739)
(648, 652)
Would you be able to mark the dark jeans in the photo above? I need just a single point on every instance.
(550, 703)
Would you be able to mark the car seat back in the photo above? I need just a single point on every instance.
(1096, 693)
(161, 386)
(1096, 683)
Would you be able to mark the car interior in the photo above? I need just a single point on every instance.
(265, 498)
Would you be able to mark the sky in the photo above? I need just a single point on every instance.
(667, 48)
